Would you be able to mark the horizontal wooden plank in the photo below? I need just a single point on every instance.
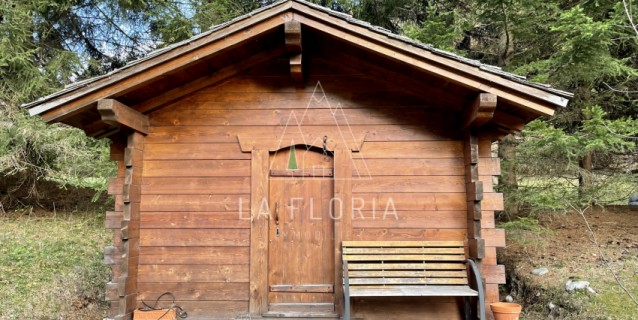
(113, 220)
(228, 134)
(299, 310)
(111, 291)
(387, 201)
(492, 201)
(196, 185)
(194, 291)
(450, 201)
(239, 203)
(410, 150)
(404, 257)
(409, 219)
(409, 167)
(418, 291)
(488, 183)
(493, 273)
(283, 297)
(407, 281)
(409, 234)
(194, 255)
(485, 147)
(193, 220)
(407, 274)
(192, 273)
(203, 151)
(282, 117)
(487, 220)
(494, 237)
(302, 288)
(282, 84)
(407, 266)
(196, 168)
(115, 186)
(278, 100)
(292, 135)
(491, 293)
(402, 244)
(490, 256)
(489, 166)
(402, 250)
(310, 172)
(219, 309)
(194, 237)
(413, 184)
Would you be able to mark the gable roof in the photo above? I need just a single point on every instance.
(82, 96)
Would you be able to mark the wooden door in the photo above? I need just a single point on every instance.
(301, 245)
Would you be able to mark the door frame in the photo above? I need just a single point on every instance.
(259, 192)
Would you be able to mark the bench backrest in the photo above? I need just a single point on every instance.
(405, 263)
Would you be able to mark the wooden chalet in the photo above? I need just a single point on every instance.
(378, 137)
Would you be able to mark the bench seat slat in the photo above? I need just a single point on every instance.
(414, 291)
(408, 274)
(400, 281)
(404, 257)
(403, 244)
(403, 250)
(406, 266)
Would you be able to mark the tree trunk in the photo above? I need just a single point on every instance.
(507, 146)
(509, 180)
(584, 176)
(586, 163)
(506, 41)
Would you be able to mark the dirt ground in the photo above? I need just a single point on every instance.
(567, 248)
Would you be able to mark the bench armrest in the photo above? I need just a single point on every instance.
(479, 284)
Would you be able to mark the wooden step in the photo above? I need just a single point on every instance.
(314, 307)
(290, 315)
(301, 310)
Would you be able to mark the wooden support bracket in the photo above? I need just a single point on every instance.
(479, 112)
(292, 30)
(119, 115)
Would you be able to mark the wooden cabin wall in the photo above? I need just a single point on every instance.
(195, 196)
(113, 221)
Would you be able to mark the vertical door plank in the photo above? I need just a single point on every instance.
(258, 303)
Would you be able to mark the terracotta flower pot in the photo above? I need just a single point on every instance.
(506, 310)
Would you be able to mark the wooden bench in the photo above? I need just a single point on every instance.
(410, 269)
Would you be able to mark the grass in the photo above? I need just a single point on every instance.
(525, 231)
(51, 266)
(611, 300)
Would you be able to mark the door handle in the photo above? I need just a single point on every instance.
(276, 213)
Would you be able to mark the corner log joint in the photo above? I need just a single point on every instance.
(117, 114)
(479, 112)
(474, 192)
(292, 30)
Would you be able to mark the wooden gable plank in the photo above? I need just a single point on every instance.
(460, 73)
(207, 80)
